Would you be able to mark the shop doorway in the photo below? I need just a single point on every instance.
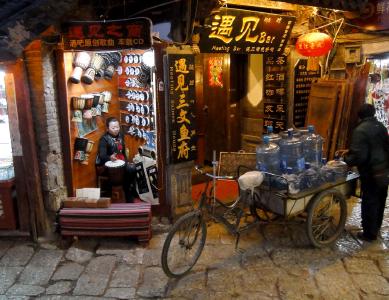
(219, 103)
(6, 162)
(8, 218)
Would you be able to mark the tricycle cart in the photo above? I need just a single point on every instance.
(323, 208)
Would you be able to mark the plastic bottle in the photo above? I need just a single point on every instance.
(310, 177)
(296, 133)
(313, 147)
(338, 167)
(268, 156)
(273, 137)
(291, 153)
(293, 181)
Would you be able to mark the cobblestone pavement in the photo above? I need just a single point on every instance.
(274, 262)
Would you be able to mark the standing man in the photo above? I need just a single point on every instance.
(369, 152)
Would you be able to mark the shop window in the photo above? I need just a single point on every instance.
(119, 84)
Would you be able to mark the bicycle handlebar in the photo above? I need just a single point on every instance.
(213, 176)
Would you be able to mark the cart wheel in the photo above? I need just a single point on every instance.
(327, 212)
(184, 244)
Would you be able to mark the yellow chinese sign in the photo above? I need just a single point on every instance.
(181, 107)
(242, 31)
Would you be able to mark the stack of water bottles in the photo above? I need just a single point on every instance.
(297, 159)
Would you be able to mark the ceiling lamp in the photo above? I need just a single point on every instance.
(314, 44)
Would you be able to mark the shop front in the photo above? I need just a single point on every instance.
(175, 106)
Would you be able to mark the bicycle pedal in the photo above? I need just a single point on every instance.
(240, 250)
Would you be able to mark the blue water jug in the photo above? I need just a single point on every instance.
(313, 147)
(295, 133)
(268, 156)
(291, 153)
(273, 137)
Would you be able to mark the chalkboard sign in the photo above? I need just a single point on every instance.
(302, 87)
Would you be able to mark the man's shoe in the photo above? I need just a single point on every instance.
(363, 237)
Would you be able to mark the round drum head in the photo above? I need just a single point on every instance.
(115, 164)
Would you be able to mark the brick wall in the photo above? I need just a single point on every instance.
(41, 70)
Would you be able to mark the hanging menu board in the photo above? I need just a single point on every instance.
(275, 92)
(302, 87)
(181, 118)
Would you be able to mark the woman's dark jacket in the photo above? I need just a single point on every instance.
(108, 146)
(369, 147)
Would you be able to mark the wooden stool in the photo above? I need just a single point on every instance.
(118, 194)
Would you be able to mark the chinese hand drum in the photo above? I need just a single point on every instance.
(80, 145)
(114, 60)
(78, 103)
(107, 95)
(81, 62)
(77, 116)
(89, 98)
(95, 65)
(89, 146)
(105, 107)
(116, 171)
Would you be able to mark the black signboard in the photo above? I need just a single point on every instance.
(107, 35)
(275, 109)
(243, 31)
(275, 60)
(278, 124)
(275, 93)
(182, 107)
(302, 87)
(275, 78)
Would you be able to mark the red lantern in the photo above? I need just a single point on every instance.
(314, 44)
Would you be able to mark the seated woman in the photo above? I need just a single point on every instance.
(112, 149)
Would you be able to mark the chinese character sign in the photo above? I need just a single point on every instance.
(181, 107)
(107, 35)
(215, 71)
(242, 31)
(275, 94)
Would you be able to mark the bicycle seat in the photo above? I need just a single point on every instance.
(250, 180)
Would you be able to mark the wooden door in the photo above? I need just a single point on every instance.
(31, 212)
(220, 111)
(323, 101)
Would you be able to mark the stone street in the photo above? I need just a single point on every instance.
(272, 262)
